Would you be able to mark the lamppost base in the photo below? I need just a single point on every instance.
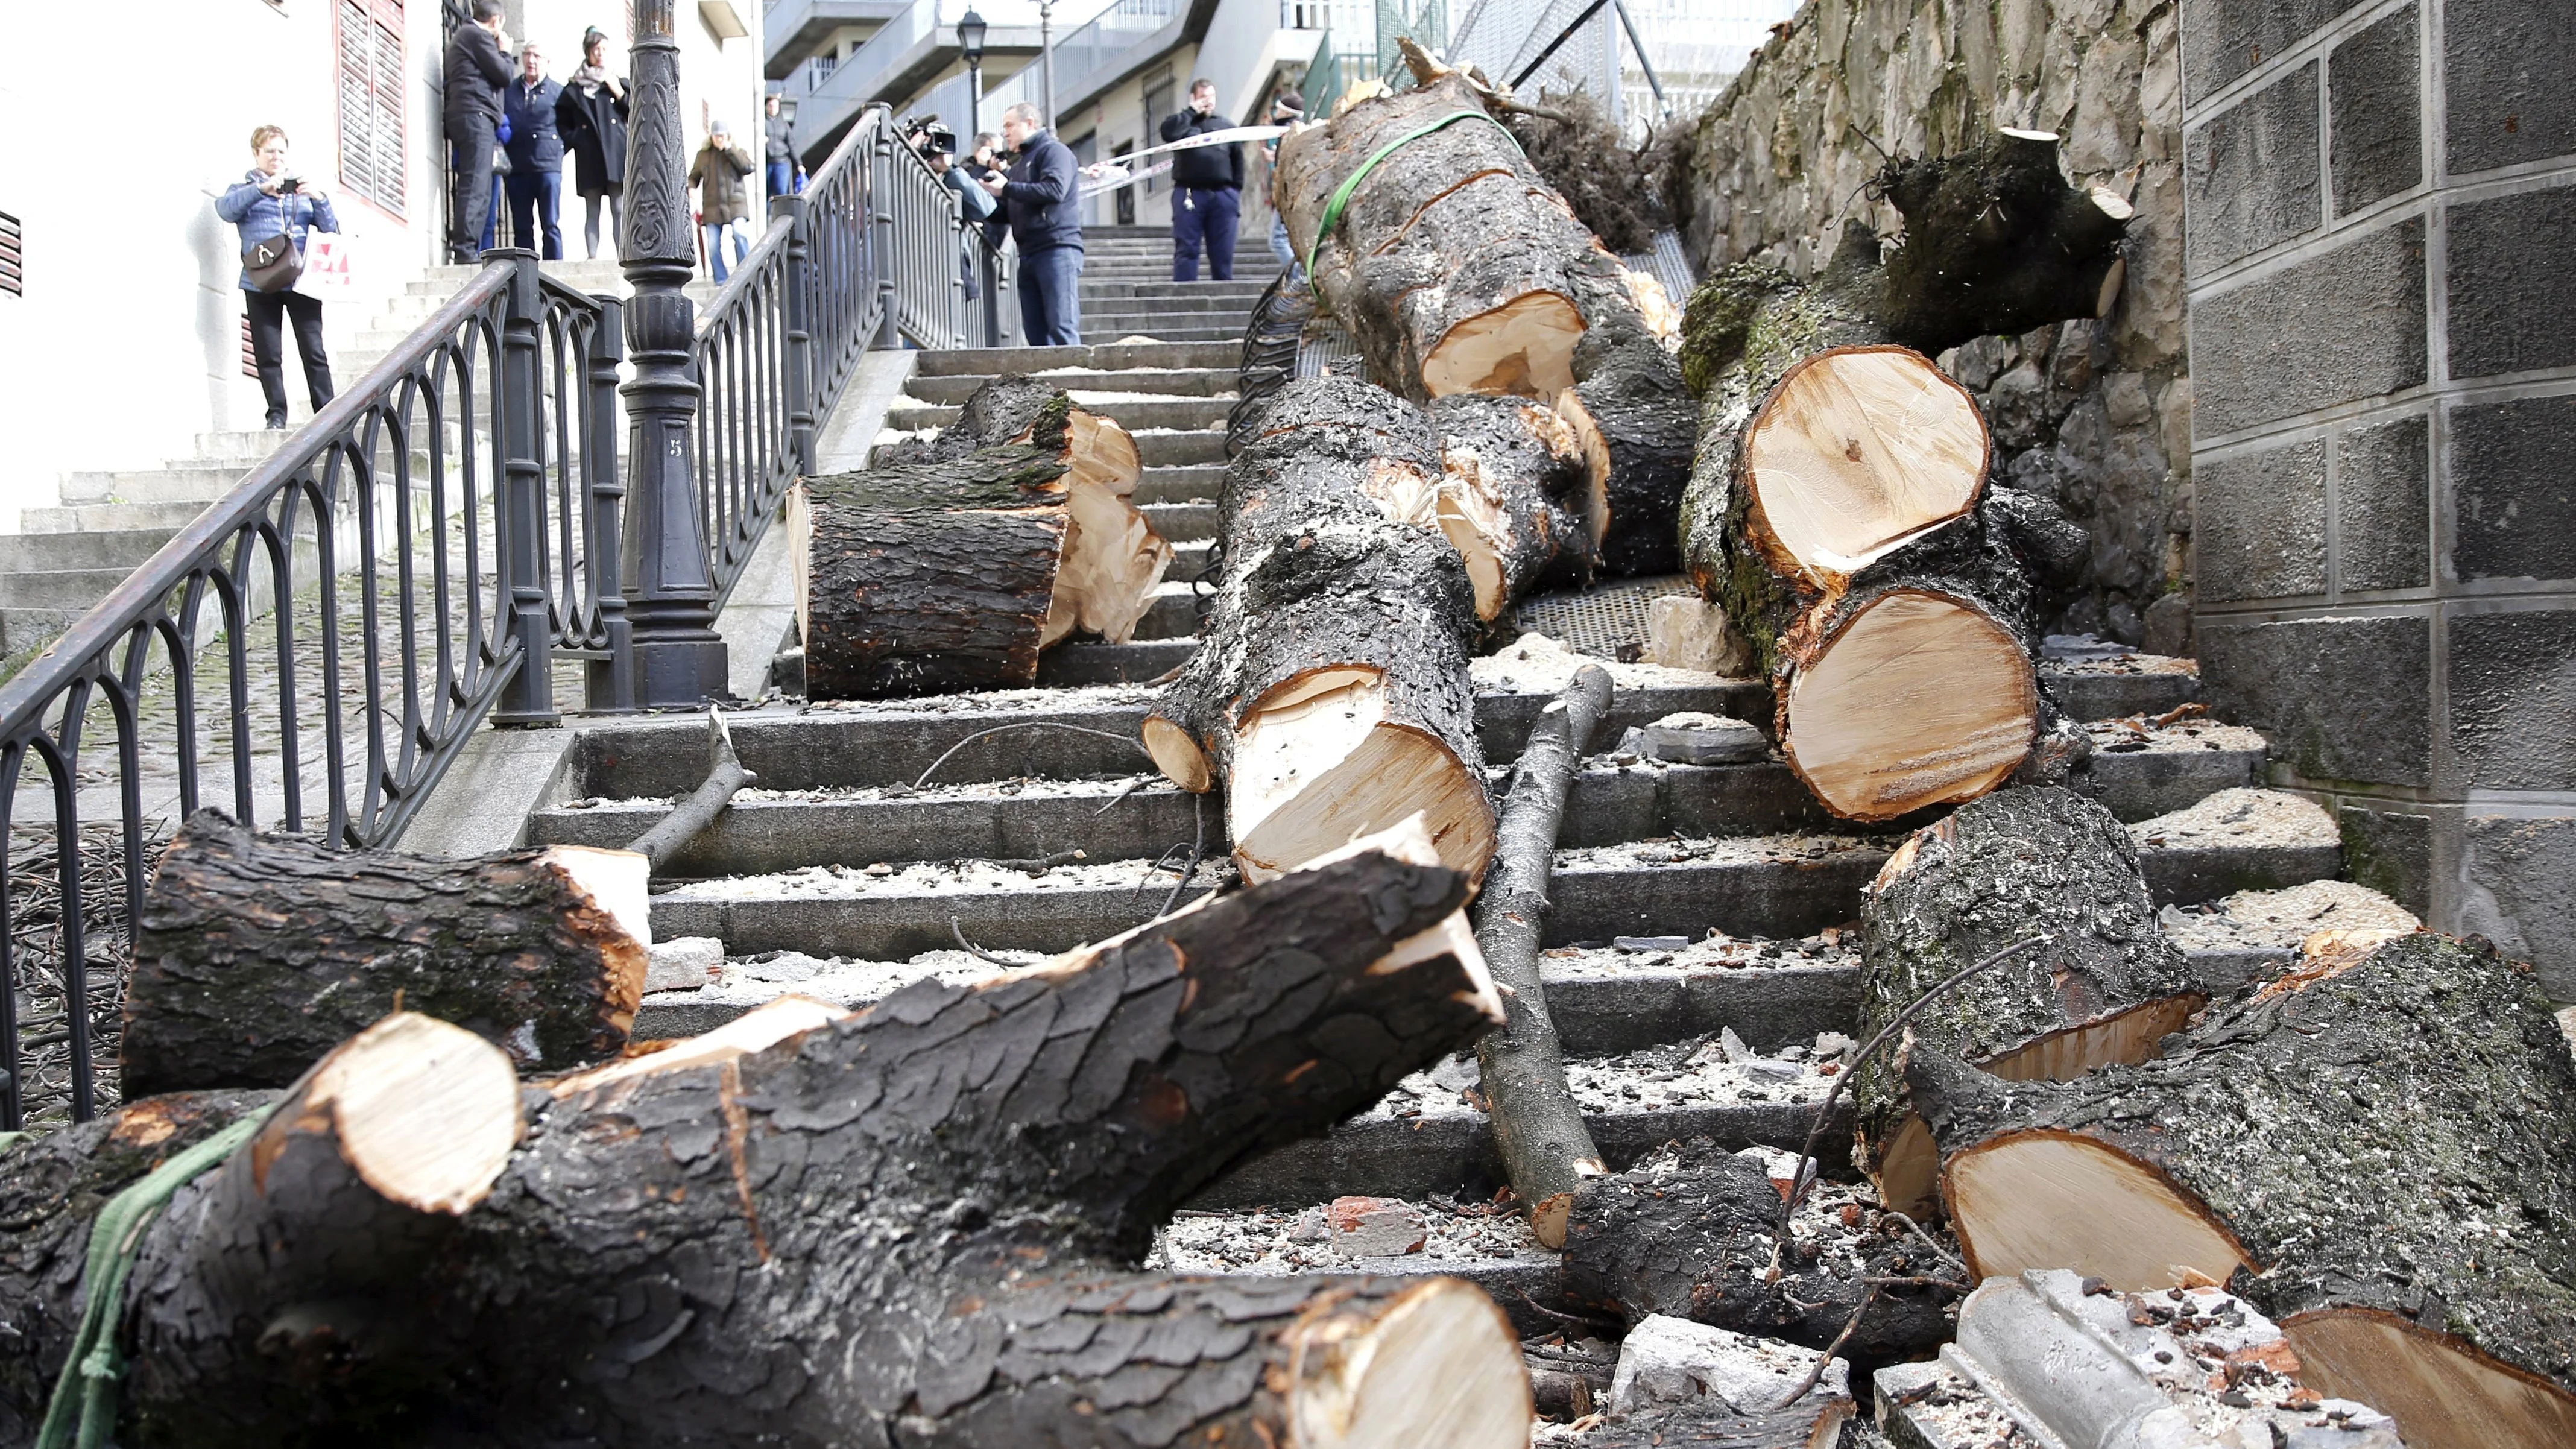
(680, 673)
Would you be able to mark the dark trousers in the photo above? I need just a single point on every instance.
(268, 312)
(469, 199)
(537, 197)
(782, 178)
(1204, 213)
(1051, 297)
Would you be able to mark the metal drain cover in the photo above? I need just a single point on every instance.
(1607, 621)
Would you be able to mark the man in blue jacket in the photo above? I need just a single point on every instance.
(1207, 189)
(536, 153)
(1042, 196)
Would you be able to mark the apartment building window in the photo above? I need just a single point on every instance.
(821, 68)
(13, 277)
(371, 101)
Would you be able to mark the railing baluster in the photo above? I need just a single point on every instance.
(612, 680)
(529, 698)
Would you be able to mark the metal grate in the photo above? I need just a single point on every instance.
(1607, 621)
(12, 273)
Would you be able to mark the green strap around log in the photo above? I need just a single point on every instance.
(1342, 193)
(90, 1374)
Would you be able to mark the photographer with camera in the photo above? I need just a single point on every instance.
(271, 201)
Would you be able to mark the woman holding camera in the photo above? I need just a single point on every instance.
(271, 200)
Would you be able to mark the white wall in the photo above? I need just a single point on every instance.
(127, 341)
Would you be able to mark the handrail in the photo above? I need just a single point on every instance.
(316, 648)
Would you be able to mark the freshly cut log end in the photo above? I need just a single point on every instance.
(257, 954)
(1856, 451)
(1523, 348)
(425, 1113)
(2102, 987)
(1436, 1364)
(2360, 1136)
(1913, 699)
(1111, 562)
(1177, 754)
(1318, 763)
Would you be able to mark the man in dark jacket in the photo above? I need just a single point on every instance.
(1207, 189)
(1042, 197)
(470, 111)
(777, 154)
(536, 155)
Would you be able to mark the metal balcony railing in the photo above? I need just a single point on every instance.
(436, 548)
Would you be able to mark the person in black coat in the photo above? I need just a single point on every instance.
(470, 113)
(591, 118)
(1042, 200)
(1207, 189)
(536, 154)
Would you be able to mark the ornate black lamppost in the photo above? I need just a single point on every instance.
(679, 659)
(970, 46)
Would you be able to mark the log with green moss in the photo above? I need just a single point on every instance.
(2370, 1149)
(2102, 985)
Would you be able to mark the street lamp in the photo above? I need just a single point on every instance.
(970, 44)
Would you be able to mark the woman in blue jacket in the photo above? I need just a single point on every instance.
(270, 201)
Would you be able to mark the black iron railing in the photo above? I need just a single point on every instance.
(440, 547)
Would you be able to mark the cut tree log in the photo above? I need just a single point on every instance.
(896, 1226)
(1329, 694)
(2363, 1149)
(2105, 987)
(1689, 1233)
(1547, 1149)
(1457, 269)
(1515, 499)
(954, 560)
(1837, 466)
(256, 954)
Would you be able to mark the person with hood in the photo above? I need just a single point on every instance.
(536, 155)
(591, 118)
(1207, 189)
(470, 113)
(724, 197)
(268, 201)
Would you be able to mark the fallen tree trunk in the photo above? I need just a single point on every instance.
(1457, 269)
(1515, 498)
(2104, 986)
(1692, 1234)
(1836, 465)
(256, 954)
(954, 560)
(1329, 693)
(812, 1226)
(2361, 1149)
(1547, 1148)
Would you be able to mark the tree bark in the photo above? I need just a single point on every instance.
(1329, 693)
(817, 1227)
(2105, 987)
(1457, 269)
(1693, 1238)
(1516, 498)
(256, 954)
(1547, 1149)
(2360, 1148)
(1835, 461)
(955, 559)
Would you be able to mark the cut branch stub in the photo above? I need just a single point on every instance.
(256, 954)
(2357, 1148)
(938, 1189)
(2103, 987)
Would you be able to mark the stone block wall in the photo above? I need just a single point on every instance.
(2097, 413)
(2382, 282)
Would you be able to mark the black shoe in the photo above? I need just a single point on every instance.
(277, 422)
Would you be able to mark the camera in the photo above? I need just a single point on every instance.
(925, 135)
(288, 185)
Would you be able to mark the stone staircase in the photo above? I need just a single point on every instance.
(66, 558)
(1702, 957)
